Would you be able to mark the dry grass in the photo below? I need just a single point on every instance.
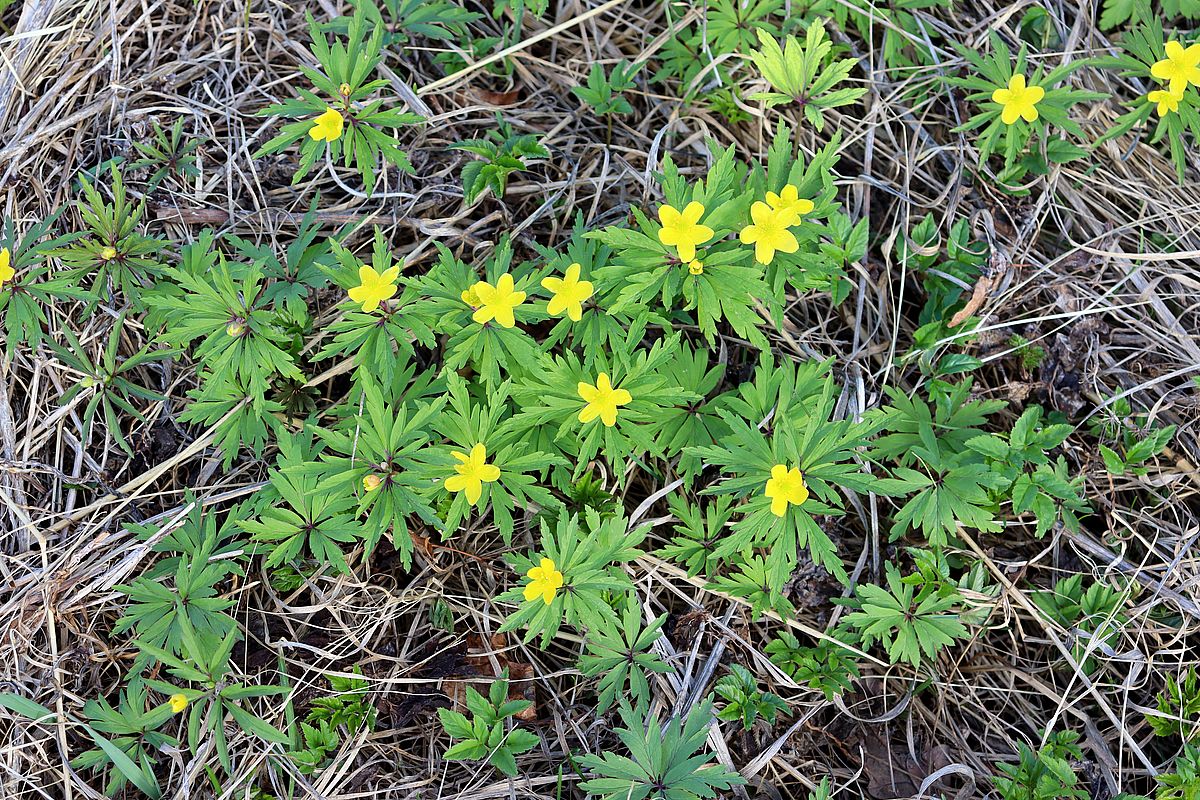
(1073, 270)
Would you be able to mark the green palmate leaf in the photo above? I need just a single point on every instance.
(622, 653)
(913, 622)
(664, 762)
(804, 74)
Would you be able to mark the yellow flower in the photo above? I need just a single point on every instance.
(789, 200)
(473, 473)
(769, 232)
(1018, 100)
(374, 287)
(178, 703)
(569, 293)
(108, 254)
(497, 302)
(344, 90)
(1180, 67)
(682, 229)
(544, 581)
(696, 268)
(1167, 101)
(6, 268)
(328, 125)
(602, 400)
(785, 487)
(372, 482)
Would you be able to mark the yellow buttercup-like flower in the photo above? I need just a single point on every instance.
(569, 293)
(785, 487)
(374, 287)
(178, 703)
(789, 201)
(682, 229)
(602, 400)
(544, 581)
(328, 125)
(1180, 67)
(6, 268)
(1018, 101)
(1167, 100)
(108, 253)
(769, 232)
(497, 302)
(473, 473)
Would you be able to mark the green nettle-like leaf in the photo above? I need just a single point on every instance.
(826, 667)
(621, 652)
(1045, 774)
(502, 154)
(913, 622)
(487, 735)
(664, 762)
(745, 703)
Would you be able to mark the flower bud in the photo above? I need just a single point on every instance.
(696, 268)
(372, 482)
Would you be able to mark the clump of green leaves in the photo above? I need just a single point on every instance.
(331, 719)
(745, 702)
(502, 153)
(804, 74)
(1044, 774)
(664, 762)
(1178, 706)
(827, 667)
(1097, 613)
(487, 735)
(343, 85)
(111, 382)
(168, 154)
(1024, 146)
(604, 92)
(913, 619)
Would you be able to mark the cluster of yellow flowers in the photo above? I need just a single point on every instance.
(1180, 68)
(769, 230)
